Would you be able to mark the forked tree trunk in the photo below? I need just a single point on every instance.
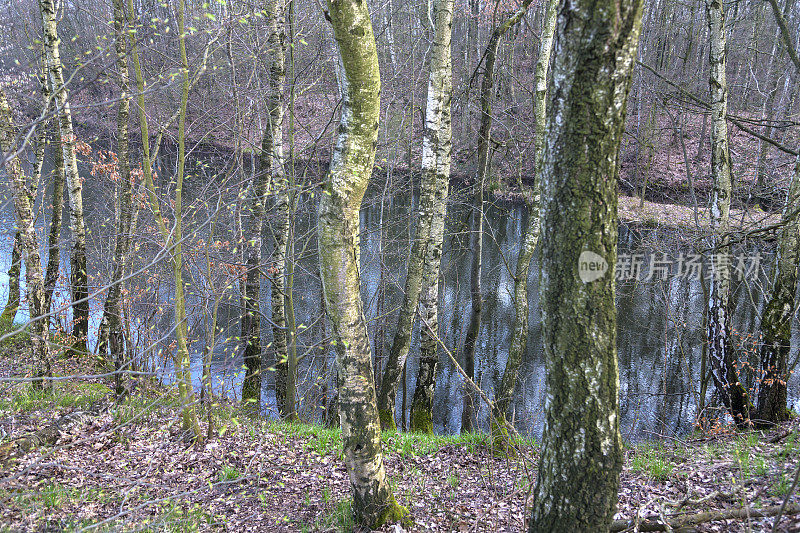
(24, 198)
(436, 155)
(182, 359)
(581, 457)
(519, 334)
(338, 230)
(78, 274)
(270, 173)
(720, 349)
(436, 149)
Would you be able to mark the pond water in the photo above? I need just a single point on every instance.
(660, 321)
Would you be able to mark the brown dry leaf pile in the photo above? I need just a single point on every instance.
(131, 469)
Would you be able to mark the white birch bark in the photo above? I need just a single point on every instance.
(338, 229)
(78, 274)
(24, 198)
(720, 351)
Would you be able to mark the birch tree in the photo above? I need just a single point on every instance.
(581, 457)
(437, 146)
(78, 274)
(519, 334)
(24, 198)
(720, 350)
(436, 149)
(776, 320)
(338, 230)
(270, 173)
(112, 311)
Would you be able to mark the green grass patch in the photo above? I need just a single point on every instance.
(229, 473)
(64, 394)
(339, 518)
(324, 440)
(54, 495)
(652, 461)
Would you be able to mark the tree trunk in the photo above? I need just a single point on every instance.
(519, 335)
(54, 231)
(436, 156)
(272, 147)
(768, 114)
(338, 230)
(172, 239)
(24, 198)
(182, 357)
(270, 173)
(436, 148)
(78, 274)
(581, 456)
(776, 321)
(12, 304)
(720, 351)
(291, 212)
(112, 311)
(484, 163)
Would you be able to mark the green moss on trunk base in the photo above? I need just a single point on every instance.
(387, 420)
(394, 513)
(421, 421)
(501, 440)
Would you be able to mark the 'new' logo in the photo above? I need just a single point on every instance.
(591, 266)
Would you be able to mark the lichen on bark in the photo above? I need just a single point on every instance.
(581, 457)
(338, 230)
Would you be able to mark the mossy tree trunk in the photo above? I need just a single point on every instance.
(270, 174)
(519, 334)
(14, 271)
(581, 457)
(720, 349)
(776, 321)
(436, 156)
(172, 238)
(24, 198)
(338, 229)
(78, 274)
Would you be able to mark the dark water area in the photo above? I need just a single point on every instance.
(660, 321)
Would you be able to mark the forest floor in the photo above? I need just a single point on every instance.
(128, 467)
